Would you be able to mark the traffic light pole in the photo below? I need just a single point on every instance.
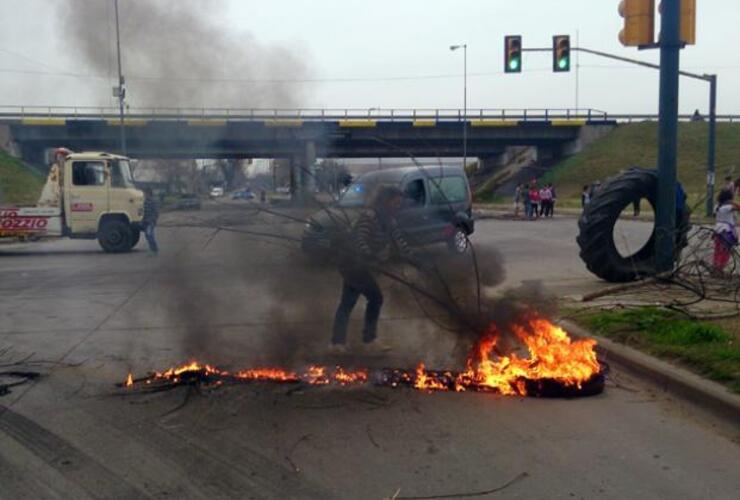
(121, 88)
(665, 216)
(711, 79)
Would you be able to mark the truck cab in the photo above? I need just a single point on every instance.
(101, 201)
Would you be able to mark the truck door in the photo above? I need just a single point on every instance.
(87, 195)
(123, 193)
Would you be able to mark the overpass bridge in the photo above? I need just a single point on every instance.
(298, 134)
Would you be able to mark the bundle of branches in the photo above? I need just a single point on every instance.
(695, 287)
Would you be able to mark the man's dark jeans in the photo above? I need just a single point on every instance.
(357, 282)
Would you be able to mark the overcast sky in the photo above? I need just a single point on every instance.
(380, 53)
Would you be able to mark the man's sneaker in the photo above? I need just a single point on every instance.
(337, 349)
(376, 347)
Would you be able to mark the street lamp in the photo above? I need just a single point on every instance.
(464, 47)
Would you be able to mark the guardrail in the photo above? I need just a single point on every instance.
(12, 112)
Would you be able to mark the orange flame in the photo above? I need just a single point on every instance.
(552, 355)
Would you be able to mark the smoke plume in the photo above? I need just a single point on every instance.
(174, 56)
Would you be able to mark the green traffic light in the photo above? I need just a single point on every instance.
(514, 64)
(563, 63)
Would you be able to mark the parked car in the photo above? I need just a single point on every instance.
(188, 202)
(437, 208)
(217, 192)
(242, 194)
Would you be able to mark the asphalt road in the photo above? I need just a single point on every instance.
(86, 319)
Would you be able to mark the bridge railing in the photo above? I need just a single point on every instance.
(307, 114)
(329, 114)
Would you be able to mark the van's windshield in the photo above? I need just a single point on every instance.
(120, 174)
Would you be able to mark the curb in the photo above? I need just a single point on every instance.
(706, 394)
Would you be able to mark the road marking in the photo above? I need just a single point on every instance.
(425, 123)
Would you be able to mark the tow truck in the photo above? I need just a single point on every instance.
(88, 195)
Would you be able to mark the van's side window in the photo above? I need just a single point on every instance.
(448, 190)
(415, 194)
(88, 173)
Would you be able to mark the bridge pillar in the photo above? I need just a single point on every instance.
(303, 172)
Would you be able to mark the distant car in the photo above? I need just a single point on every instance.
(437, 208)
(188, 202)
(217, 192)
(242, 194)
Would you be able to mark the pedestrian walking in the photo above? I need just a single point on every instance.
(149, 221)
(527, 201)
(517, 199)
(372, 239)
(585, 196)
(725, 232)
(534, 199)
(546, 201)
(553, 199)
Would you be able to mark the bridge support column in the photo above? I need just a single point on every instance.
(303, 173)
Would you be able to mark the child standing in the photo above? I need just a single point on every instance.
(725, 235)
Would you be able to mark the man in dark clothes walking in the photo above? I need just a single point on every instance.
(149, 221)
(372, 239)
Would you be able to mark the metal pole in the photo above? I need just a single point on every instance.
(121, 81)
(665, 220)
(711, 175)
(465, 105)
(578, 70)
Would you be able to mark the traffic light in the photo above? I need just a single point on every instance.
(639, 22)
(513, 54)
(560, 53)
(688, 22)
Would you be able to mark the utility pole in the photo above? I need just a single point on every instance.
(465, 99)
(121, 93)
(665, 219)
(711, 175)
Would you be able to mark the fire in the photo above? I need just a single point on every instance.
(552, 358)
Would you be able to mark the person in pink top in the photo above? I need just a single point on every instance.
(534, 198)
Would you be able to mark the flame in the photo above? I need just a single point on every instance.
(552, 355)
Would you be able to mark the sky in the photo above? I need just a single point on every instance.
(363, 54)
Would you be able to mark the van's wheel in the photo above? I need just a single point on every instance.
(116, 236)
(458, 243)
(596, 238)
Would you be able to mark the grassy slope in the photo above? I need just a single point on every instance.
(636, 144)
(19, 183)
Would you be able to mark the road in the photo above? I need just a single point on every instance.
(237, 300)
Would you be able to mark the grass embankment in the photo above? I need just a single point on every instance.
(637, 145)
(711, 348)
(19, 183)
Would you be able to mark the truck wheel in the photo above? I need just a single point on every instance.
(596, 237)
(458, 243)
(135, 237)
(116, 236)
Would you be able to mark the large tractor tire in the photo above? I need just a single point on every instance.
(596, 238)
(115, 236)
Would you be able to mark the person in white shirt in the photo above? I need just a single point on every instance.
(725, 232)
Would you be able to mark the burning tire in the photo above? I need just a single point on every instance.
(596, 238)
(115, 236)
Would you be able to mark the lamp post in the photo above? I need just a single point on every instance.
(121, 90)
(464, 47)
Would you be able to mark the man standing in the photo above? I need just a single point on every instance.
(151, 214)
(373, 238)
